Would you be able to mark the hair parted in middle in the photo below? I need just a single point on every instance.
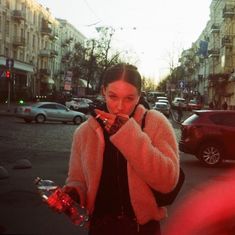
(123, 71)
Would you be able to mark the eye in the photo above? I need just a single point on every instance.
(113, 97)
(130, 98)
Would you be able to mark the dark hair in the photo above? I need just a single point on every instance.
(125, 72)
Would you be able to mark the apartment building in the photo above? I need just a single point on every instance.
(37, 43)
(211, 65)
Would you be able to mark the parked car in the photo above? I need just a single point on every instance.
(163, 101)
(153, 95)
(179, 101)
(209, 135)
(194, 105)
(163, 108)
(79, 104)
(49, 111)
(161, 98)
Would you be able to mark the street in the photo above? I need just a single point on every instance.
(47, 147)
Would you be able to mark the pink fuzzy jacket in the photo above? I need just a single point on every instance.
(152, 161)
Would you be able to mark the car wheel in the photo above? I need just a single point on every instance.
(77, 120)
(40, 118)
(210, 154)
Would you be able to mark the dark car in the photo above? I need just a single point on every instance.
(209, 135)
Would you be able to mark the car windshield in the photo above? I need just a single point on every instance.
(191, 119)
(193, 101)
(180, 100)
(159, 104)
(163, 101)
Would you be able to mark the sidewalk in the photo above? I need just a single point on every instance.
(22, 210)
(7, 110)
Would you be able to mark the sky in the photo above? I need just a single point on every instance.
(151, 33)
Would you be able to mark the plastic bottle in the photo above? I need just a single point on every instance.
(61, 202)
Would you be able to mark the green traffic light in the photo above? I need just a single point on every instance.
(21, 101)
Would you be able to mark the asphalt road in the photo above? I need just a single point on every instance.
(47, 147)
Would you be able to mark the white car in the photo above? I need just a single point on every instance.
(161, 98)
(179, 101)
(162, 107)
(163, 101)
(79, 104)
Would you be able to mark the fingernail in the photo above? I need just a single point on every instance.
(97, 116)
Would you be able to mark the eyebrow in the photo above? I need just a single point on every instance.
(113, 93)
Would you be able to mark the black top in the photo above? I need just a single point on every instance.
(113, 194)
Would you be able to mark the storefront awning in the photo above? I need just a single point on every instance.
(18, 65)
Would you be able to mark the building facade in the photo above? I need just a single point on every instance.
(38, 44)
(210, 62)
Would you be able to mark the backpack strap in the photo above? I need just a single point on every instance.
(143, 120)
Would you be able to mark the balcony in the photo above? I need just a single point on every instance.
(45, 53)
(213, 53)
(54, 53)
(45, 71)
(53, 37)
(18, 15)
(18, 41)
(46, 31)
(67, 42)
(227, 41)
(66, 57)
(228, 11)
(48, 53)
(215, 28)
(46, 28)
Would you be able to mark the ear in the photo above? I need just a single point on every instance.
(138, 100)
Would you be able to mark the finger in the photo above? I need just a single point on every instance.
(123, 115)
(104, 114)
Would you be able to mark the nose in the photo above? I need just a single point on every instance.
(120, 105)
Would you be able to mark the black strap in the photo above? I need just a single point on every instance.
(165, 199)
(143, 120)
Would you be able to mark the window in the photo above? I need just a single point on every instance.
(61, 107)
(33, 42)
(7, 27)
(48, 106)
(8, 4)
(224, 119)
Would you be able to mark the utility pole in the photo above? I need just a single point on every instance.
(9, 65)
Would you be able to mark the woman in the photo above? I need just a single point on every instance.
(115, 165)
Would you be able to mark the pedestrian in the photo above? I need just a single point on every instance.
(225, 105)
(144, 102)
(211, 105)
(115, 166)
(180, 112)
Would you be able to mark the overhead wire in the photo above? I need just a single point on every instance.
(93, 12)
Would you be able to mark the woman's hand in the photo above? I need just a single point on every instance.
(112, 123)
(72, 192)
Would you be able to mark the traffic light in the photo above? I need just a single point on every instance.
(8, 74)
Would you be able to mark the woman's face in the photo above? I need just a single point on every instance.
(121, 97)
